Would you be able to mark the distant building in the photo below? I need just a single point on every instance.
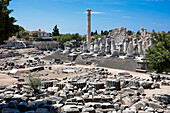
(92, 37)
(84, 35)
(13, 38)
(38, 33)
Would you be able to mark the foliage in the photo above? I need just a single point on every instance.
(102, 33)
(138, 33)
(39, 38)
(106, 32)
(129, 32)
(26, 37)
(50, 34)
(76, 37)
(111, 30)
(83, 39)
(68, 44)
(7, 28)
(20, 33)
(34, 84)
(168, 33)
(34, 35)
(63, 38)
(96, 36)
(159, 54)
(95, 33)
(92, 33)
(55, 31)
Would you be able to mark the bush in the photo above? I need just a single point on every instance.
(68, 44)
(34, 84)
(159, 54)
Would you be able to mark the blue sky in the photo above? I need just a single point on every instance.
(70, 15)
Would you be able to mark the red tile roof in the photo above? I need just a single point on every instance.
(27, 31)
(36, 31)
(92, 37)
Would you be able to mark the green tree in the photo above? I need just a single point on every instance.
(20, 33)
(168, 33)
(111, 30)
(50, 34)
(96, 36)
(159, 54)
(106, 32)
(7, 27)
(26, 37)
(76, 37)
(102, 32)
(138, 33)
(55, 31)
(92, 33)
(95, 33)
(129, 32)
(62, 38)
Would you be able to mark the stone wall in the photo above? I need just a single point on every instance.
(57, 55)
(46, 45)
(117, 63)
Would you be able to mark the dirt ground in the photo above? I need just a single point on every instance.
(8, 80)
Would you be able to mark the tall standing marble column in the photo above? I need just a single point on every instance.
(108, 46)
(130, 50)
(140, 48)
(125, 46)
(113, 48)
(88, 36)
(91, 47)
(96, 46)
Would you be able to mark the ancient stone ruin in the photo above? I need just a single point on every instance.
(97, 91)
(117, 43)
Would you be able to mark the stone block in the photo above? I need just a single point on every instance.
(41, 110)
(162, 98)
(9, 110)
(2, 87)
(146, 84)
(23, 107)
(154, 105)
(113, 82)
(12, 104)
(127, 101)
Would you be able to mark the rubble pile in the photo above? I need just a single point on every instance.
(71, 70)
(9, 65)
(98, 91)
(9, 53)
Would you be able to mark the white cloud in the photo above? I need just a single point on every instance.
(126, 16)
(95, 12)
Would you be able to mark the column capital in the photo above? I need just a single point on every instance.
(88, 9)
